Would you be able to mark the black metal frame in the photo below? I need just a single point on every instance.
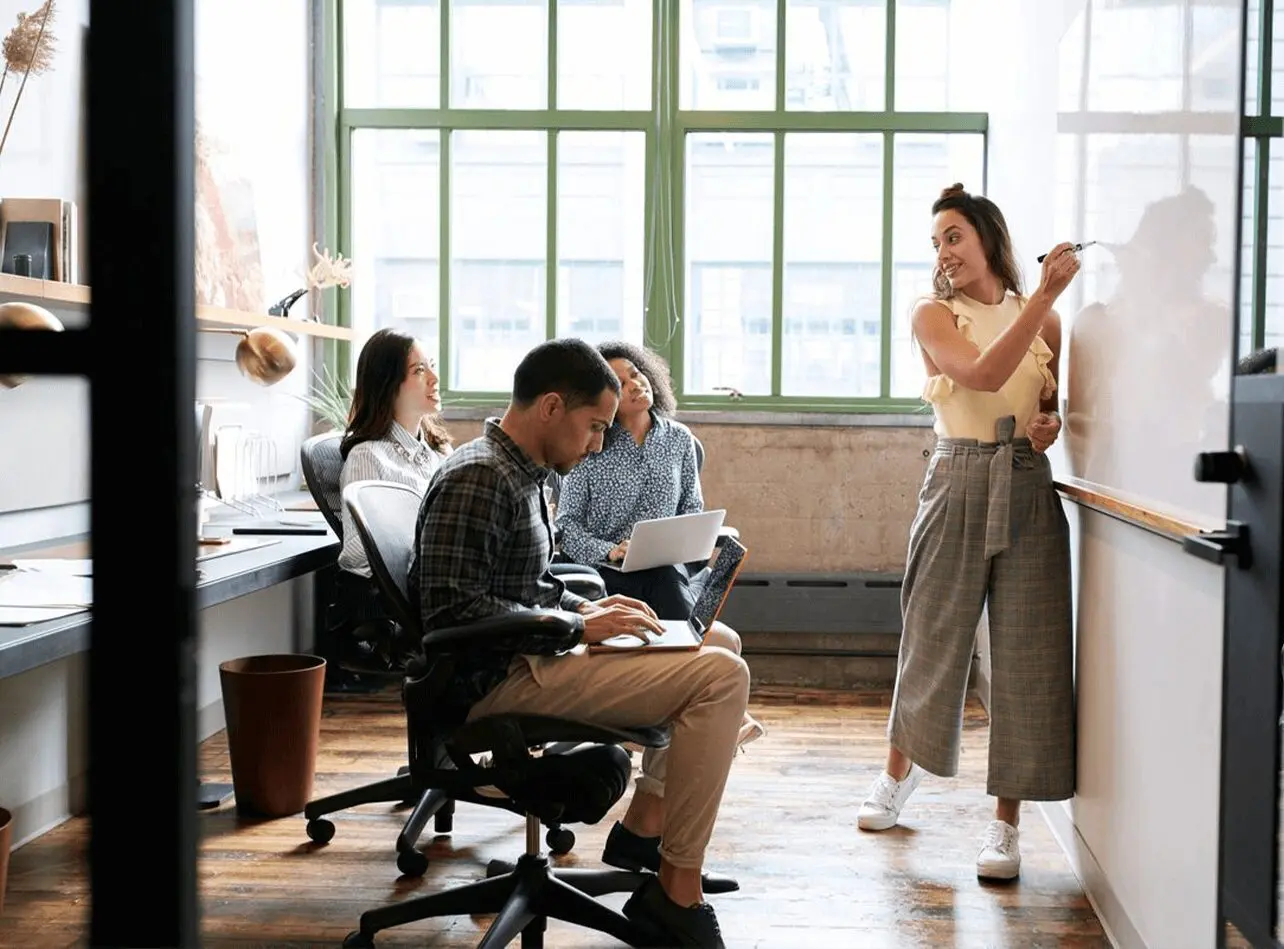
(1253, 637)
(139, 356)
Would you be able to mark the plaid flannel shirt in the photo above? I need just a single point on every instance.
(484, 543)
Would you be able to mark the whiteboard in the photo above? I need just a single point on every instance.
(1149, 163)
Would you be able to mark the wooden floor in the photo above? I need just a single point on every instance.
(808, 877)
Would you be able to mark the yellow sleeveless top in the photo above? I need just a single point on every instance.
(968, 413)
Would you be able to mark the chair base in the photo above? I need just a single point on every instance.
(435, 804)
(523, 899)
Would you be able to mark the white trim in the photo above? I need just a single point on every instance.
(1096, 885)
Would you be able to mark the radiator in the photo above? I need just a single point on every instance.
(819, 603)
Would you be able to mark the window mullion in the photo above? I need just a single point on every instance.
(551, 270)
(889, 206)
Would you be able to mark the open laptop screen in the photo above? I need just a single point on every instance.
(722, 575)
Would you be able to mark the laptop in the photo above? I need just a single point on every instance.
(688, 634)
(666, 541)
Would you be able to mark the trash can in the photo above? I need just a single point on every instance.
(273, 710)
(6, 841)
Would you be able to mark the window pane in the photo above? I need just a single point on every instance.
(601, 185)
(728, 55)
(604, 54)
(497, 288)
(1126, 74)
(1252, 56)
(1277, 59)
(499, 54)
(936, 66)
(832, 265)
(1213, 58)
(1248, 245)
(391, 54)
(1274, 295)
(728, 246)
(922, 166)
(834, 55)
(395, 231)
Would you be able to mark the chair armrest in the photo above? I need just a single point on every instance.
(580, 580)
(497, 631)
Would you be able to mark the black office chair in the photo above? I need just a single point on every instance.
(580, 785)
(395, 512)
(361, 642)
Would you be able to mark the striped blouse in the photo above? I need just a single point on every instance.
(398, 456)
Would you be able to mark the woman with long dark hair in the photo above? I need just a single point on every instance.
(394, 432)
(989, 534)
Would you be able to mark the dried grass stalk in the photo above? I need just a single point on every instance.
(28, 49)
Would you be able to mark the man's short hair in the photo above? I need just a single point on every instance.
(570, 367)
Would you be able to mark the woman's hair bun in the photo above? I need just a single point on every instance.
(953, 191)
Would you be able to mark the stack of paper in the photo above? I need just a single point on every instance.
(33, 596)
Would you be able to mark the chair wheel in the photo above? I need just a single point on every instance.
(320, 830)
(358, 940)
(403, 771)
(497, 868)
(412, 863)
(560, 841)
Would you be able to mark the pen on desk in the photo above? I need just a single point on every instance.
(1076, 248)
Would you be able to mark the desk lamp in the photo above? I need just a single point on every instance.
(25, 316)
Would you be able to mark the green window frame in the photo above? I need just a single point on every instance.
(665, 127)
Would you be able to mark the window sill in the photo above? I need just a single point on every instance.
(716, 417)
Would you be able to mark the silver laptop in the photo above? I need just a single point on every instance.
(666, 541)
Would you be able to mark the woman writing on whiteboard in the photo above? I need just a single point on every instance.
(989, 533)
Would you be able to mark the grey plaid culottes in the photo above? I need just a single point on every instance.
(989, 532)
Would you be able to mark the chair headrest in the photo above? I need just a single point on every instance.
(323, 471)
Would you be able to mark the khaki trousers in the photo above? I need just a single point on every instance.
(702, 695)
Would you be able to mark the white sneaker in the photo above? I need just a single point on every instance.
(882, 809)
(1000, 856)
(750, 730)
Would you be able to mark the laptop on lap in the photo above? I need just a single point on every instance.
(688, 634)
(665, 541)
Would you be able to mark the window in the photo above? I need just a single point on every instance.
(742, 185)
(1261, 318)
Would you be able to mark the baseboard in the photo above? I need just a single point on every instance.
(42, 814)
(210, 720)
(1096, 885)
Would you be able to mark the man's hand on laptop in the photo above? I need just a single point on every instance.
(618, 551)
(622, 600)
(603, 622)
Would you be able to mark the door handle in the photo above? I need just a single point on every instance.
(1216, 546)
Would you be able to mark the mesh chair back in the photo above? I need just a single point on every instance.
(385, 514)
(322, 470)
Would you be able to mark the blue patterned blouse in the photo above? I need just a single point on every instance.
(607, 493)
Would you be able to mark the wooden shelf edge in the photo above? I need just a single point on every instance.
(74, 294)
(1128, 511)
(241, 319)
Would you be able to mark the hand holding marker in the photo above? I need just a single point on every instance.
(1076, 248)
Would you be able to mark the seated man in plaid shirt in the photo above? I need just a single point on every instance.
(484, 544)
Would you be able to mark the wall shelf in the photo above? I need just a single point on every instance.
(207, 317)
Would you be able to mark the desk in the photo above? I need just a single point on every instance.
(222, 578)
